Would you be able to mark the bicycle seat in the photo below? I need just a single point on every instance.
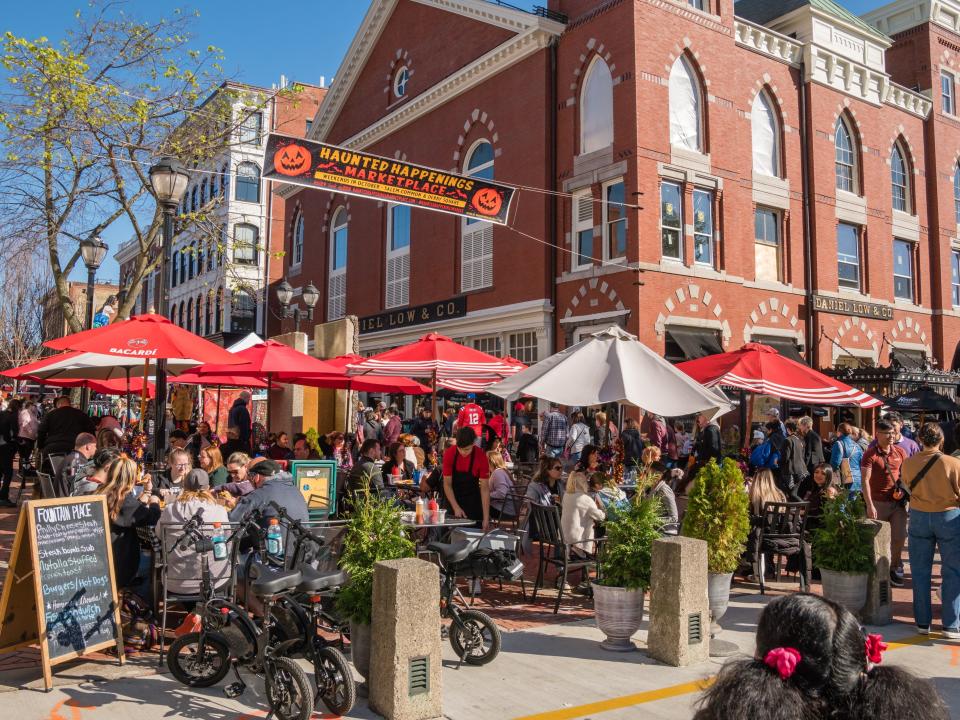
(314, 580)
(452, 552)
(271, 582)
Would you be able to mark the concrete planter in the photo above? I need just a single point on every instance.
(847, 589)
(360, 648)
(619, 612)
(718, 596)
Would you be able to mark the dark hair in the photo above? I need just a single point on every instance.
(178, 435)
(831, 679)
(827, 470)
(102, 458)
(772, 425)
(466, 436)
(790, 425)
(893, 417)
(884, 425)
(585, 456)
(930, 435)
(368, 445)
(392, 450)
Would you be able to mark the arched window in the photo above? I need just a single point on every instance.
(203, 192)
(198, 328)
(846, 157)
(686, 106)
(899, 179)
(596, 108)
(243, 312)
(400, 80)
(194, 197)
(190, 315)
(200, 244)
(225, 180)
(337, 288)
(183, 264)
(766, 137)
(207, 308)
(218, 312)
(192, 261)
(476, 236)
(248, 182)
(956, 193)
(175, 269)
(213, 185)
(297, 240)
(181, 319)
(245, 239)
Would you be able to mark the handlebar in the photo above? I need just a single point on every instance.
(191, 531)
(296, 525)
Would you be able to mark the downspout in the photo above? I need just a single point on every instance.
(552, 153)
(810, 324)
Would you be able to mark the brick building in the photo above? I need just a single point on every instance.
(701, 174)
(55, 324)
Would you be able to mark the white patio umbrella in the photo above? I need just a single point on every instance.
(612, 366)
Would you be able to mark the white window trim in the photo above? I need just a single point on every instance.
(778, 225)
(713, 228)
(605, 227)
(587, 76)
(580, 226)
(855, 159)
(395, 254)
(907, 180)
(954, 258)
(470, 228)
(298, 225)
(397, 95)
(953, 93)
(338, 275)
(763, 97)
(680, 230)
(912, 300)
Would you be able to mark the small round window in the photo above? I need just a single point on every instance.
(400, 81)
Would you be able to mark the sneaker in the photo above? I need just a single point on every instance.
(923, 629)
(895, 579)
(951, 633)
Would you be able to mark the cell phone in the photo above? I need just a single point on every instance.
(137, 490)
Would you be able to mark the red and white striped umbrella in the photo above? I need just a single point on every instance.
(439, 358)
(761, 369)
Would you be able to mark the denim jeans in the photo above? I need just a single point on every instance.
(927, 530)
(553, 451)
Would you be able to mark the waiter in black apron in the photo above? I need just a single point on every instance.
(466, 473)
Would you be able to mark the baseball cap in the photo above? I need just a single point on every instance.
(758, 435)
(774, 412)
(197, 480)
(265, 467)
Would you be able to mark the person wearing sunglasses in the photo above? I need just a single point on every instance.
(545, 487)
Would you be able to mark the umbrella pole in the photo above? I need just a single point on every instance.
(433, 400)
(143, 396)
(744, 434)
(216, 413)
(128, 394)
(269, 388)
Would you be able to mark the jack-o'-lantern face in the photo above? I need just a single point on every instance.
(292, 160)
(487, 201)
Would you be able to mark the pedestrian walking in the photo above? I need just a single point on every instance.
(883, 495)
(553, 434)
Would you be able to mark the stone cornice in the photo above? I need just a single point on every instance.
(767, 42)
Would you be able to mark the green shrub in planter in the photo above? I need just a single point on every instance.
(374, 533)
(843, 542)
(631, 531)
(718, 512)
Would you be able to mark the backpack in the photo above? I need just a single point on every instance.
(140, 632)
(764, 456)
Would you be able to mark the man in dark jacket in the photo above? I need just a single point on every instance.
(812, 443)
(240, 419)
(83, 451)
(708, 444)
(366, 471)
(271, 484)
(793, 467)
(632, 447)
(8, 449)
(59, 429)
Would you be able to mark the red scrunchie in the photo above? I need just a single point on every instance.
(875, 647)
(783, 660)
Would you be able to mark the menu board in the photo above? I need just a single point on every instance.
(316, 480)
(60, 591)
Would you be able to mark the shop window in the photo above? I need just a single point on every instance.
(523, 347)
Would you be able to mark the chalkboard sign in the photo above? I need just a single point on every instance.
(60, 590)
(317, 481)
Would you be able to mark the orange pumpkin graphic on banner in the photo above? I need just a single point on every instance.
(487, 201)
(292, 160)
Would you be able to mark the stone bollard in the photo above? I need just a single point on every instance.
(679, 631)
(879, 607)
(405, 659)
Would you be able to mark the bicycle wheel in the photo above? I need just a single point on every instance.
(197, 665)
(334, 680)
(289, 693)
(477, 642)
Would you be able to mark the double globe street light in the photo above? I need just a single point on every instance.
(310, 296)
(169, 180)
(93, 250)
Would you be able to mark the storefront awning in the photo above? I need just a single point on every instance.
(783, 345)
(695, 342)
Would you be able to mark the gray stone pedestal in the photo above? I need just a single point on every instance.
(879, 607)
(405, 660)
(679, 611)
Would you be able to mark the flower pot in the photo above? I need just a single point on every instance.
(718, 597)
(619, 612)
(847, 589)
(360, 648)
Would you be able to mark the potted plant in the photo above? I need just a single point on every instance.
(718, 512)
(374, 532)
(625, 571)
(843, 550)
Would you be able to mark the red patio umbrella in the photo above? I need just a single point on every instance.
(438, 358)
(117, 386)
(358, 383)
(243, 381)
(761, 369)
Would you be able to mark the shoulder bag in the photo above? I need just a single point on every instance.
(846, 474)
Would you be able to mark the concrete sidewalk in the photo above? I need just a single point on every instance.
(555, 672)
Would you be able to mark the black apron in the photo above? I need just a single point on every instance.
(466, 489)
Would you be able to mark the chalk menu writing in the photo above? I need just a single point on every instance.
(75, 579)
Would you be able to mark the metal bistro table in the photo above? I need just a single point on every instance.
(433, 531)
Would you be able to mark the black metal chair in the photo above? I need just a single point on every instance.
(782, 529)
(46, 485)
(557, 551)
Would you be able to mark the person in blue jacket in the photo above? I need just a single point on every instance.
(846, 448)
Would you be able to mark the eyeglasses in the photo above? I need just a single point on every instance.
(556, 467)
(181, 465)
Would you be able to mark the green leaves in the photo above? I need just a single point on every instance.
(627, 554)
(717, 511)
(844, 540)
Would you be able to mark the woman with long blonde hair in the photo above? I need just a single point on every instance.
(764, 489)
(128, 510)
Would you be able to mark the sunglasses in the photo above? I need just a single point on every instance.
(556, 467)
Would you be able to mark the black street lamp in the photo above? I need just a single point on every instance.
(310, 296)
(169, 181)
(93, 250)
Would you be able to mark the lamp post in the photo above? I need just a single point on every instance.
(93, 250)
(310, 296)
(169, 181)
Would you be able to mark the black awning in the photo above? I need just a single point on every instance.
(783, 345)
(908, 359)
(695, 342)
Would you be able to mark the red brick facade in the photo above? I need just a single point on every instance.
(530, 111)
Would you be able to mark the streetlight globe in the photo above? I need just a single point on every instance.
(310, 295)
(284, 293)
(169, 181)
(93, 250)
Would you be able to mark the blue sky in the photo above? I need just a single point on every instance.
(257, 51)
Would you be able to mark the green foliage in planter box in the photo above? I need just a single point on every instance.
(844, 541)
(718, 512)
(627, 553)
